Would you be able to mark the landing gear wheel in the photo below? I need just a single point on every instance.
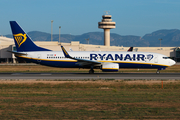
(157, 72)
(91, 71)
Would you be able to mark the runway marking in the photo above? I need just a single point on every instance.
(17, 74)
(45, 74)
(31, 74)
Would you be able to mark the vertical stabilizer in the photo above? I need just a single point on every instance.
(22, 41)
(130, 49)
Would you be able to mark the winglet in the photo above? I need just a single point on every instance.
(82, 61)
(65, 52)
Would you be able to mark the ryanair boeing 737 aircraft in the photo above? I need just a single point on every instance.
(106, 61)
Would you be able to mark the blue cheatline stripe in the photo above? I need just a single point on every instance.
(73, 63)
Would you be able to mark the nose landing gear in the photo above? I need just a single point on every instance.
(157, 72)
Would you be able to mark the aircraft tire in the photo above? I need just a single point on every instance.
(157, 72)
(91, 71)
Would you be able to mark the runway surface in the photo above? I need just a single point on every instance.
(81, 76)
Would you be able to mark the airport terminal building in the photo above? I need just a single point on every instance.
(7, 44)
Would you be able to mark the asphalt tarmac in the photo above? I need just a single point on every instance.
(86, 76)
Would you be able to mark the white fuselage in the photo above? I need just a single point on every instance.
(124, 59)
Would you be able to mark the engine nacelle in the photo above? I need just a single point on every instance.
(110, 67)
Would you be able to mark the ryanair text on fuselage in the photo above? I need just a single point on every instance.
(122, 57)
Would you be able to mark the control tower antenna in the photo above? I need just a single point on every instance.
(106, 12)
(106, 24)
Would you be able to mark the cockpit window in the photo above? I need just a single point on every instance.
(165, 58)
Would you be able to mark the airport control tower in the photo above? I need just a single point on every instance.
(106, 24)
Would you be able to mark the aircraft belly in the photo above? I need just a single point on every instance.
(60, 64)
(140, 65)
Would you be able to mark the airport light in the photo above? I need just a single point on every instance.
(160, 41)
(87, 40)
(59, 33)
(70, 36)
(51, 30)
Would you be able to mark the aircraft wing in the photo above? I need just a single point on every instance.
(83, 62)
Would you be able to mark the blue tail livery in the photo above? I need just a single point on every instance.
(22, 41)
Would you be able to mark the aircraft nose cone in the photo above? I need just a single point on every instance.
(172, 62)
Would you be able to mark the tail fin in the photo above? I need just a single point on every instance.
(130, 49)
(22, 41)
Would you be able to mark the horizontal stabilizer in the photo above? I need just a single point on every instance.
(17, 53)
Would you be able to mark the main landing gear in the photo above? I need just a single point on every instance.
(91, 71)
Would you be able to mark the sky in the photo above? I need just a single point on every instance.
(76, 17)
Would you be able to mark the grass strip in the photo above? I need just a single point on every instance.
(90, 100)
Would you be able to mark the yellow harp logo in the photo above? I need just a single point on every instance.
(20, 38)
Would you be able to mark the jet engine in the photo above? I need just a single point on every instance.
(110, 67)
